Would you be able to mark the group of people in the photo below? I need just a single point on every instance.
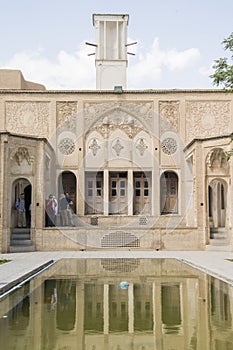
(63, 207)
(52, 208)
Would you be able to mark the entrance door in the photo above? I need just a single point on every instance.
(94, 193)
(142, 193)
(118, 200)
(22, 186)
(169, 193)
(217, 203)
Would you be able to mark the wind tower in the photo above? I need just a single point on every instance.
(111, 50)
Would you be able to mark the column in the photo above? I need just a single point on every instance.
(130, 192)
(131, 308)
(106, 308)
(106, 191)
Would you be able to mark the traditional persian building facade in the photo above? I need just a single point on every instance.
(146, 169)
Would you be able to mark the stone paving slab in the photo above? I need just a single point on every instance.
(22, 265)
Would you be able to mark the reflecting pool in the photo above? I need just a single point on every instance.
(118, 304)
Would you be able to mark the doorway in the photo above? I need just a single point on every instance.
(118, 199)
(22, 186)
(142, 193)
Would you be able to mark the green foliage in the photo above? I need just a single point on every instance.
(3, 261)
(223, 74)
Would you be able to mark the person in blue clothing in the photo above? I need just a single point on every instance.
(21, 213)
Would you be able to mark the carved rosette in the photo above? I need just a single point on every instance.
(169, 112)
(30, 118)
(66, 146)
(169, 146)
(207, 118)
(120, 112)
(66, 115)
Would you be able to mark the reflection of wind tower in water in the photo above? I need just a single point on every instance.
(111, 50)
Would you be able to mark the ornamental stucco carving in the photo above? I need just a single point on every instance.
(207, 118)
(118, 113)
(66, 115)
(66, 146)
(141, 146)
(117, 147)
(169, 112)
(21, 154)
(216, 159)
(94, 147)
(30, 118)
(169, 146)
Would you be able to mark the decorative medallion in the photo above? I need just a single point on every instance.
(169, 145)
(118, 147)
(66, 146)
(141, 147)
(94, 147)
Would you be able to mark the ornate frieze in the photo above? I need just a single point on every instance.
(118, 113)
(207, 118)
(30, 118)
(169, 112)
(66, 115)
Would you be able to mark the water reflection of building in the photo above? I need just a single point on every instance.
(80, 305)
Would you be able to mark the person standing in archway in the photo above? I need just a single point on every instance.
(20, 207)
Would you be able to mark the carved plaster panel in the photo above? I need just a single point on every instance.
(66, 146)
(207, 118)
(217, 159)
(117, 147)
(30, 118)
(20, 154)
(66, 115)
(118, 113)
(169, 112)
(94, 146)
(169, 146)
(141, 146)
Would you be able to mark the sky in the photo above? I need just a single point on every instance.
(177, 41)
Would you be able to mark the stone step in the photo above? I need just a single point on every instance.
(21, 248)
(218, 247)
(219, 235)
(20, 230)
(19, 236)
(20, 242)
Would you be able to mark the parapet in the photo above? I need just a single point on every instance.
(13, 79)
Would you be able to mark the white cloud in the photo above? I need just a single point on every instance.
(77, 70)
(152, 64)
(69, 71)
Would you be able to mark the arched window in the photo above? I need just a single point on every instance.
(169, 193)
